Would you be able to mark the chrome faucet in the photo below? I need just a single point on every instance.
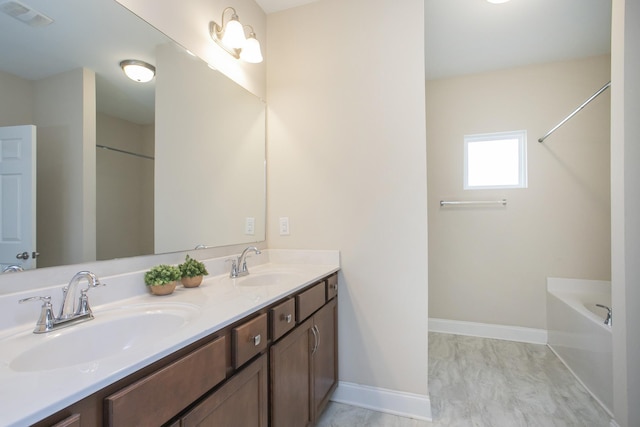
(239, 267)
(608, 320)
(69, 309)
(70, 312)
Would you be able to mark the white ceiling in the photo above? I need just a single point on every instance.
(470, 36)
(271, 6)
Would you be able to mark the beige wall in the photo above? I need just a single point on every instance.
(65, 116)
(625, 184)
(16, 101)
(347, 165)
(489, 264)
(124, 189)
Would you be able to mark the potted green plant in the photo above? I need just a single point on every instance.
(162, 278)
(192, 271)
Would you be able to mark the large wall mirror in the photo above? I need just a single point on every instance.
(120, 168)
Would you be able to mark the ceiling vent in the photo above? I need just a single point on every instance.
(24, 14)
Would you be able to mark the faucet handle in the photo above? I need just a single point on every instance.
(47, 300)
(83, 304)
(46, 319)
(234, 267)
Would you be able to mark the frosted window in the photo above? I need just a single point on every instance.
(495, 160)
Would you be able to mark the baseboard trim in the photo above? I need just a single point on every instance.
(485, 330)
(394, 402)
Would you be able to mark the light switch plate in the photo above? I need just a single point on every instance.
(250, 226)
(284, 226)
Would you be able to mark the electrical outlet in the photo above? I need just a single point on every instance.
(284, 226)
(250, 226)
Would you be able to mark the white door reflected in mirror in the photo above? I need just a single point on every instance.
(17, 196)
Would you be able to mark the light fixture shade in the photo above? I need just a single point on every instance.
(138, 71)
(233, 36)
(251, 51)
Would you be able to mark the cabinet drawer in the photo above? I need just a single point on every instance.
(173, 388)
(309, 301)
(283, 318)
(242, 401)
(249, 339)
(332, 286)
(72, 421)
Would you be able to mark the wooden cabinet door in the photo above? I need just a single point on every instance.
(325, 357)
(291, 378)
(241, 401)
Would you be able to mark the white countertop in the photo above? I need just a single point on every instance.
(27, 397)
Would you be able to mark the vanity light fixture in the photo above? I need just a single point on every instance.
(138, 71)
(231, 37)
(250, 52)
(497, 1)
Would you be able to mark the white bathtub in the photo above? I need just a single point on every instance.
(578, 335)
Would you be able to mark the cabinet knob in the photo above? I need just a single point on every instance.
(256, 340)
(287, 318)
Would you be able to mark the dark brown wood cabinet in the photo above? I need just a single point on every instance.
(249, 339)
(310, 300)
(72, 421)
(283, 318)
(304, 370)
(276, 367)
(325, 359)
(241, 401)
(291, 378)
(156, 398)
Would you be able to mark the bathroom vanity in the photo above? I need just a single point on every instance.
(261, 350)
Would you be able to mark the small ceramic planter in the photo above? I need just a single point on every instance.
(191, 282)
(165, 289)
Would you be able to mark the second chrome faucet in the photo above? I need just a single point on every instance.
(239, 266)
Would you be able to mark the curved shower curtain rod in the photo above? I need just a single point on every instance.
(584, 104)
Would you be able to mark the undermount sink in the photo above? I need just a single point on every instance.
(269, 278)
(111, 332)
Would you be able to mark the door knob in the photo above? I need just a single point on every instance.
(23, 255)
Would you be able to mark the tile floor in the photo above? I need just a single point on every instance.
(489, 383)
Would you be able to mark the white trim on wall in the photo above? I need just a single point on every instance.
(394, 402)
(484, 330)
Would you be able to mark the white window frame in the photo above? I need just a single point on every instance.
(520, 135)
